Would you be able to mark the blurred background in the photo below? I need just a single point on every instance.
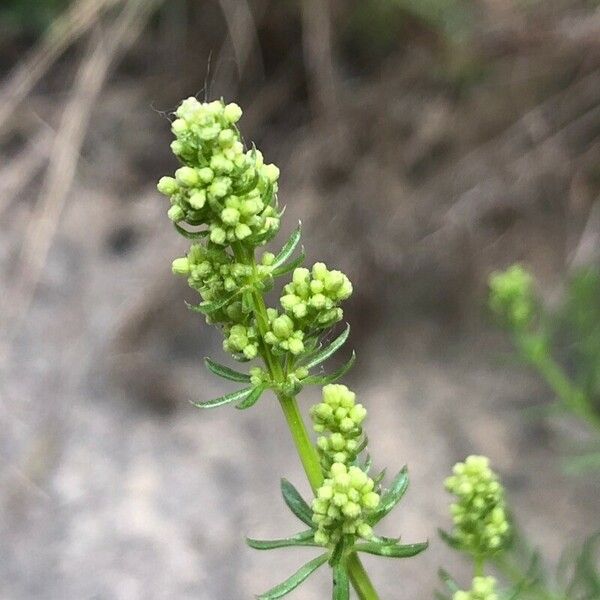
(423, 143)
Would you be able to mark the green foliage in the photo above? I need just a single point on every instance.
(224, 199)
(572, 332)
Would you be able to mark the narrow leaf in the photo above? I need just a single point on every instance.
(392, 496)
(332, 377)
(288, 247)
(451, 541)
(326, 352)
(296, 503)
(341, 583)
(391, 550)
(191, 235)
(295, 580)
(226, 399)
(448, 580)
(226, 372)
(252, 398)
(300, 539)
(290, 266)
(210, 307)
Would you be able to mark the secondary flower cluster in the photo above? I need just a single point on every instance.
(347, 494)
(483, 588)
(341, 417)
(221, 185)
(512, 297)
(480, 523)
(312, 297)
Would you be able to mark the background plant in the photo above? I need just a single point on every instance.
(485, 531)
(563, 346)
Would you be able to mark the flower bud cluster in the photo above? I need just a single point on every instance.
(348, 493)
(312, 297)
(480, 522)
(483, 588)
(220, 184)
(512, 296)
(241, 340)
(342, 503)
(340, 418)
(284, 335)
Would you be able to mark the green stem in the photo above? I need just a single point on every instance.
(304, 446)
(572, 398)
(478, 566)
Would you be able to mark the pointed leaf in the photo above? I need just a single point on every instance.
(326, 352)
(391, 550)
(226, 372)
(288, 247)
(210, 307)
(451, 541)
(333, 377)
(191, 235)
(392, 496)
(341, 583)
(448, 580)
(226, 399)
(290, 266)
(252, 398)
(296, 503)
(295, 580)
(305, 538)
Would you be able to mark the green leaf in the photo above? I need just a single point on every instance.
(286, 268)
(288, 247)
(226, 372)
(295, 580)
(226, 399)
(332, 377)
(448, 581)
(446, 537)
(392, 496)
(326, 352)
(252, 397)
(341, 583)
(391, 550)
(191, 235)
(304, 538)
(296, 503)
(210, 307)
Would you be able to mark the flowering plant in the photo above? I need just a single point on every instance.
(224, 199)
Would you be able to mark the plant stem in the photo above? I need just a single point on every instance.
(572, 398)
(304, 446)
(478, 566)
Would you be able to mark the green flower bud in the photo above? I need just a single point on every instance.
(283, 327)
(230, 216)
(176, 213)
(232, 113)
(242, 231)
(186, 176)
(271, 172)
(198, 199)
(218, 236)
(181, 266)
(167, 186)
(205, 175)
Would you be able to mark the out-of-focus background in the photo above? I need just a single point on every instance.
(423, 143)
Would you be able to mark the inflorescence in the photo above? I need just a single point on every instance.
(347, 493)
(481, 525)
(483, 588)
